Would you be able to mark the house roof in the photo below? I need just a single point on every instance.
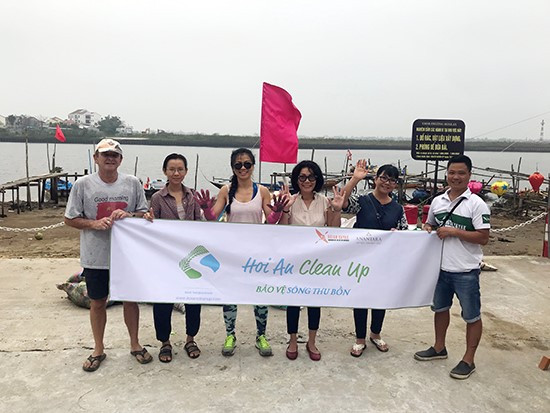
(79, 112)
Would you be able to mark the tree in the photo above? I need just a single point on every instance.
(109, 124)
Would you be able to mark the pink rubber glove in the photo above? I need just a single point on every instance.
(205, 202)
(279, 204)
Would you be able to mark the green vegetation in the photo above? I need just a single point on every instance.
(109, 124)
(86, 136)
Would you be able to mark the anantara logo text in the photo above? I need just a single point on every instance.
(368, 238)
(326, 237)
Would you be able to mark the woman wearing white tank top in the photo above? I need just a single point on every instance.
(244, 202)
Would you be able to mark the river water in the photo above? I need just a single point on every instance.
(214, 162)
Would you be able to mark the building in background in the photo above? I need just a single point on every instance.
(84, 118)
(55, 121)
(20, 122)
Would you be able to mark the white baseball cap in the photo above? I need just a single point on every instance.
(108, 145)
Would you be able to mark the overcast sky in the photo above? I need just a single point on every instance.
(354, 68)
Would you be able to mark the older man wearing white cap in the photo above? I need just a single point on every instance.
(95, 202)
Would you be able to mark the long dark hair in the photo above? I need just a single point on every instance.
(314, 168)
(234, 181)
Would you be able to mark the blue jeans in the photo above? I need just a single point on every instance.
(466, 287)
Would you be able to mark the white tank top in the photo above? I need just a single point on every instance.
(250, 212)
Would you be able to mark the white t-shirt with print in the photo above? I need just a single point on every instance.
(472, 214)
(92, 198)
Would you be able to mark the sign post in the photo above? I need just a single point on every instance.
(437, 140)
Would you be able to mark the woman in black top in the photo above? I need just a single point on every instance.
(377, 210)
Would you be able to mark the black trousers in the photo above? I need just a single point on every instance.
(293, 316)
(162, 316)
(360, 319)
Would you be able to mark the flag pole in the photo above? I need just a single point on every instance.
(260, 163)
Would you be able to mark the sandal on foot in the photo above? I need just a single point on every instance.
(95, 362)
(142, 356)
(380, 344)
(165, 353)
(193, 351)
(357, 350)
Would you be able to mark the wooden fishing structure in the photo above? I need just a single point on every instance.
(38, 181)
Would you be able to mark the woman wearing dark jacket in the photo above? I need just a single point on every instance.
(377, 210)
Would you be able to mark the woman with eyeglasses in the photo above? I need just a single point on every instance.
(377, 210)
(175, 201)
(308, 207)
(244, 201)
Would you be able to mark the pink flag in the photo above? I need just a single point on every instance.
(280, 121)
(59, 134)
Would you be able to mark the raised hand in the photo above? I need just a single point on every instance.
(337, 202)
(279, 203)
(360, 171)
(291, 198)
(203, 199)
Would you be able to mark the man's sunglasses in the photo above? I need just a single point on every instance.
(310, 178)
(239, 165)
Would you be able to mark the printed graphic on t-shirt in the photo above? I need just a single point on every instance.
(105, 209)
(456, 221)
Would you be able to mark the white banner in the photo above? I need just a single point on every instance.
(227, 263)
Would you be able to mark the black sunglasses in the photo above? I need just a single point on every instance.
(239, 165)
(310, 178)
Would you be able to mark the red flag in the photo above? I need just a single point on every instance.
(59, 134)
(349, 155)
(280, 121)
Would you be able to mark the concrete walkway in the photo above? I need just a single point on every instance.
(44, 339)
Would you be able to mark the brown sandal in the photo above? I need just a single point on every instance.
(193, 351)
(142, 356)
(95, 362)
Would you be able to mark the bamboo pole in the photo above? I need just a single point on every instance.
(90, 160)
(40, 181)
(136, 166)
(27, 171)
(196, 171)
(548, 212)
(514, 195)
(48, 156)
(18, 201)
(3, 215)
(518, 178)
